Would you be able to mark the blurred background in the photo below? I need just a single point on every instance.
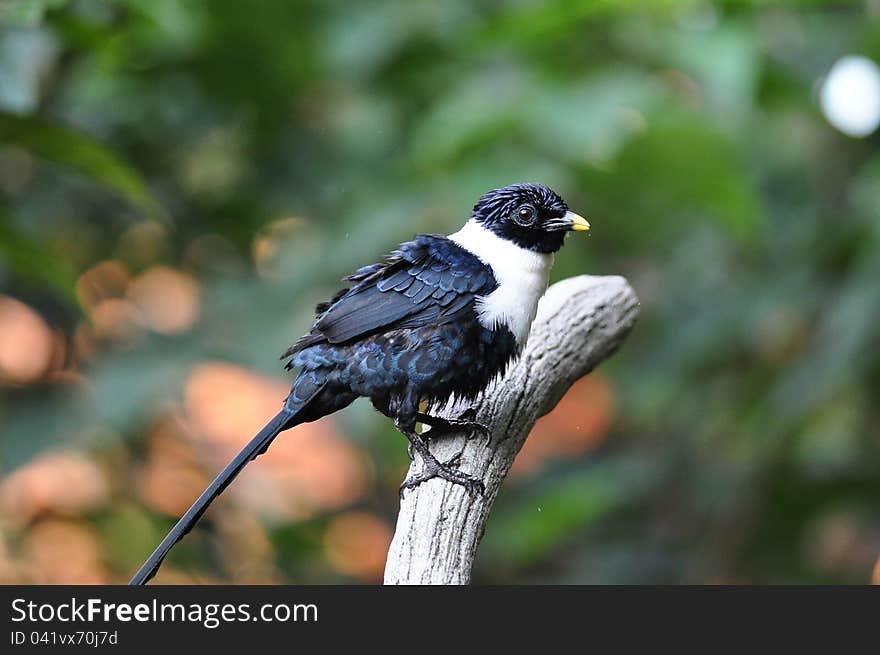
(181, 181)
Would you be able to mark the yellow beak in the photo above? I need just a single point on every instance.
(578, 223)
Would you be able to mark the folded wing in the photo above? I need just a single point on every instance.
(428, 281)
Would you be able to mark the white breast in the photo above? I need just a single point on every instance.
(522, 277)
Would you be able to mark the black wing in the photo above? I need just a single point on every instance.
(430, 280)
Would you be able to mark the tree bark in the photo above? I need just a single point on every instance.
(580, 322)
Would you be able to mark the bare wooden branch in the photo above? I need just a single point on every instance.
(580, 322)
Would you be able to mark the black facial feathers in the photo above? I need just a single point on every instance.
(527, 214)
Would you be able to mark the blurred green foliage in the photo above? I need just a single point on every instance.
(745, 442)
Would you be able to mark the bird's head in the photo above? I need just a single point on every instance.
(530, 215)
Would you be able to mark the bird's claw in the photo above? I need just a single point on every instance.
(468, 419)
(480, 429)
(473, 429)
(447, 471)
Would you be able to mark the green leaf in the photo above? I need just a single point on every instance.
(31, 260)
(83, 153)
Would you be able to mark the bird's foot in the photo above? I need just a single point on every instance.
(448, 471)
(464, 422)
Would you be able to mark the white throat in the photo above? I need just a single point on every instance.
(522, 277)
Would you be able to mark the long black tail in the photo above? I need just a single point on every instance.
(284, 419)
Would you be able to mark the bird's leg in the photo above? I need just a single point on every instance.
(465, 422)
(432, 468)
(441, 426)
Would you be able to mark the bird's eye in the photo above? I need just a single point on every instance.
(525, 215)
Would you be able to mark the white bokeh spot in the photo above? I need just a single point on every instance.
(850, 96)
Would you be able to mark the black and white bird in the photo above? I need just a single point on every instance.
(439, 318)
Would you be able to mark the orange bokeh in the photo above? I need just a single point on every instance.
(172, 478)
(357, 543)
(106, 279)
(308, 469)
(168, 300)
(160, 299)
(247, 550)
(577, 424)
(63, 552)
(27, 343)
(116, 319)
(9, 569)
(56, 482)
